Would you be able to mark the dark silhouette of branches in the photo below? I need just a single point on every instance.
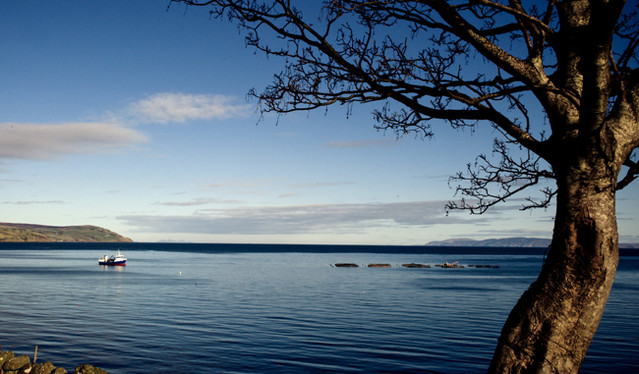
(415, 58)
(631, 174)
(487, 183)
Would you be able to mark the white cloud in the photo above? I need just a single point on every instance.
(42, 141)
(298, 219)
(49, 141)
(179, 107)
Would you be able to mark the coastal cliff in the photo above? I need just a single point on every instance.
(20, 232)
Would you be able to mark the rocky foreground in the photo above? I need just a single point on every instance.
(12, 364)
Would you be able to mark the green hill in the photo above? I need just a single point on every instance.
(20, 232)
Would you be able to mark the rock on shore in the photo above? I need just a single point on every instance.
(12, 364)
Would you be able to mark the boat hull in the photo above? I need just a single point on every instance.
(112, 263)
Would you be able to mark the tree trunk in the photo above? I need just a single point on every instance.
(554, 321)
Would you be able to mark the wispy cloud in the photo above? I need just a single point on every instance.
(34, 202)
(297, 219)
(198, 202)
(49, 141)
(322, 184)
(45, 141)
(247, 184)
(289, 194)
(179, 107)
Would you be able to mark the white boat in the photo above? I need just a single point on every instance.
(117, 260)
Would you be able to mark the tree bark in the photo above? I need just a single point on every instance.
(554, 321)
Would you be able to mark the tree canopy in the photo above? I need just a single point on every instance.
(467, 63)
(557, 80)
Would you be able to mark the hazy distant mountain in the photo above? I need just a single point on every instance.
(20, 232)
(505, 242)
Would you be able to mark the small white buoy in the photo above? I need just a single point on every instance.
(180, 273)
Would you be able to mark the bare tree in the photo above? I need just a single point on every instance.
(558, 80)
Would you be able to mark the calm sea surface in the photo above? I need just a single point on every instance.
(281, 309)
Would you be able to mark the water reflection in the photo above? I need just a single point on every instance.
(117, 269)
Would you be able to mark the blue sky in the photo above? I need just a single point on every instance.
(132, 115)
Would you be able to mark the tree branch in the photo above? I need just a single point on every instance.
(631, 174)
(352, 54)
(488, 183)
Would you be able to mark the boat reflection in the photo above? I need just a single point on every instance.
(118, 269)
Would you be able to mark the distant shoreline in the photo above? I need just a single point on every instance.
(284, 248)
(515, 242)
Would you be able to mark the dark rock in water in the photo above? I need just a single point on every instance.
(16, 363)
(43, 368)
(89, 369)
(346, 265)
(412, 265)
(379, 265)
(484, 266)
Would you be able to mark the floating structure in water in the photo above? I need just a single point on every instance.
(483, 266)
(413, 265)
(450, 265)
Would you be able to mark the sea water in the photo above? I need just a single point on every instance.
(281, 309)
